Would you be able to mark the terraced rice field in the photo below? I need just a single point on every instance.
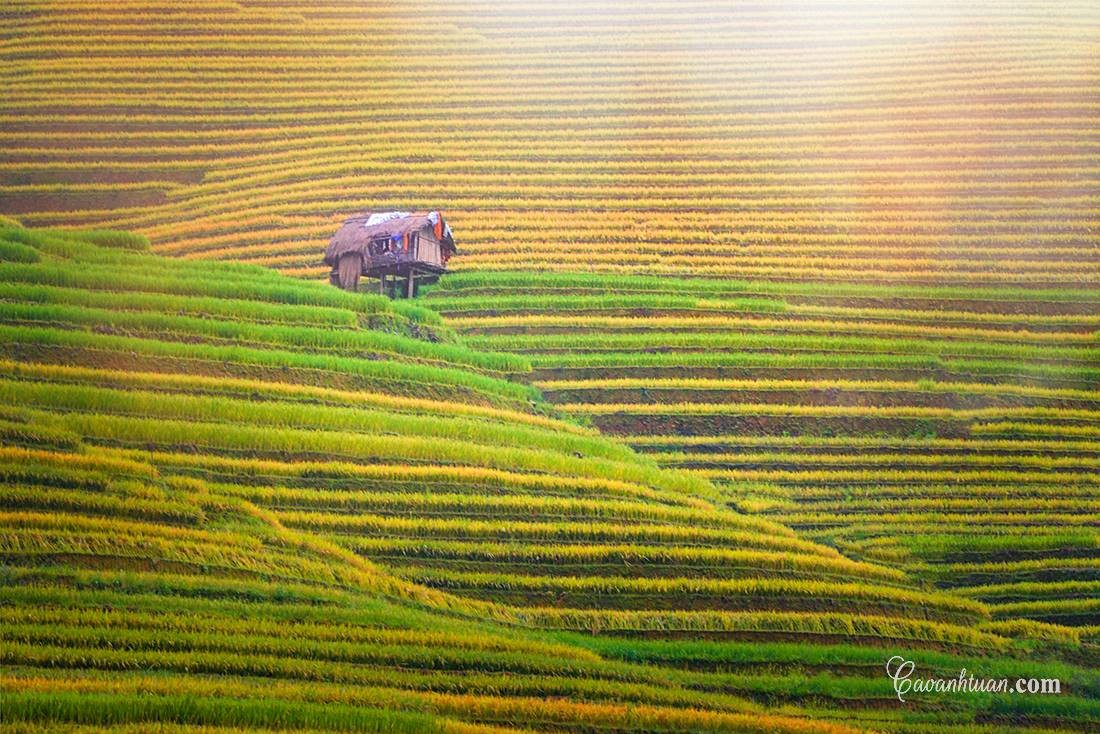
(953, 433)
(928, 142)
(234, 499)
(771, 352)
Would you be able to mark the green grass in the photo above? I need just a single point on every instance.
(15, 252)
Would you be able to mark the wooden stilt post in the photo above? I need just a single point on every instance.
(411, 284)
(382, 284)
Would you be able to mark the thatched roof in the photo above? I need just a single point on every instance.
(358, 231)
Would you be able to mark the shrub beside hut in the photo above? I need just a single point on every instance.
(401, 249)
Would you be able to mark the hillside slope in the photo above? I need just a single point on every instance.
(227, 497)
(948, 143)
(145, 579)
(949, 432)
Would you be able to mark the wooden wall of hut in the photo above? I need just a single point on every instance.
(428, 249)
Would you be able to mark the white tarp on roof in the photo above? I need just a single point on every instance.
(379, 217)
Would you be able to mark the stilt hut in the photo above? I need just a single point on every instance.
(400, 249)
